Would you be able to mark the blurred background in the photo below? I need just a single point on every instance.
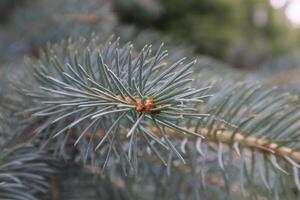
(242, 33)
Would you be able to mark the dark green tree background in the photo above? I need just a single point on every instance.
(243, 33)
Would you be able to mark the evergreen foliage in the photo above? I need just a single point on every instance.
(90, 118)
(128, 108)
(23, 173)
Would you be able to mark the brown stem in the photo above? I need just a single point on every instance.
(226, 137)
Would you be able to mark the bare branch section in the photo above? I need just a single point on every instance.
(251, 142)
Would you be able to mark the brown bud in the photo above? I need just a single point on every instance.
(139, 107)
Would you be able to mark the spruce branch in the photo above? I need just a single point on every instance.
(113, 87)
(122, 103)
(23, 173)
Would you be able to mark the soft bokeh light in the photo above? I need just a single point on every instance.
(292, 12)
(278, 3)
(291, 9)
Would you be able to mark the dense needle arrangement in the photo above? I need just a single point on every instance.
(116, 90)
(115, 106)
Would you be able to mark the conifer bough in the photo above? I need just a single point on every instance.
(111, 97)
(112, 88)
(24, 173)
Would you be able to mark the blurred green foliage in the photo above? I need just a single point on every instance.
(241, 32)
